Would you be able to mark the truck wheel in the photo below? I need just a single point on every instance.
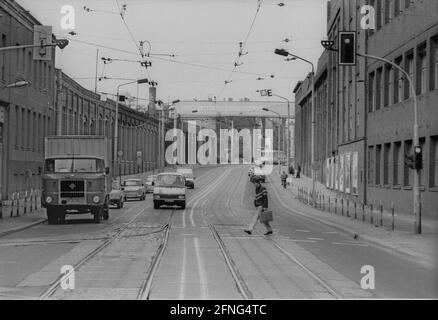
(98, 215)
(105, 215)
(183, 205)
(51, 216)
(61, 218)
(156, 205)
(119, 204)
(122, 202)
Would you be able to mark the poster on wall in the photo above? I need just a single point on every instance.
(354, 173)
(341, 173)
(336, 166)
(347, 172)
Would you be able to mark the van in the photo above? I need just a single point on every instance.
(169, 189)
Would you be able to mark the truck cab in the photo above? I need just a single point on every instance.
(76, 179)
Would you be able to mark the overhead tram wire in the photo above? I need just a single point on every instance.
(121, 11)
(242, 49)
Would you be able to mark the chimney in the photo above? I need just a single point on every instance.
(152, 99)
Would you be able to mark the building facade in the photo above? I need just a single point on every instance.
(86, 113)
(364, 113)
(27, 113)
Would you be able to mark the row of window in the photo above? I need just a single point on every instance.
(386, 164)
(22, 65)
(31, 128)
(387, 10)
(388, 86)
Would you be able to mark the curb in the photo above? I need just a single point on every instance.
(367, 238)
(29, 225)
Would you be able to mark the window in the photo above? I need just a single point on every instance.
(379, 88)
(382, 12)
(423, 148)
(434, 64)
(407, 172)
(398, 82)
(421, 71)
(3, 68)
(386, 150)
(397, 8)
(379, 14)
(387, 86)
(409, 68)
(434, 162)
(371, 92)
(396, 163)
(389, 7)
(378, 160)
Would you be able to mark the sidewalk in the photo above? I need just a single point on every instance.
(402, 239)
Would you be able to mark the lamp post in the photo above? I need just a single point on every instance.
(116, 128)
(279, 130)
(288, 123)
(285, 53)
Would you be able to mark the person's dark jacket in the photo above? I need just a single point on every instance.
(261, 198)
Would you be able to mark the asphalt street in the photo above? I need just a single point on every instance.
(202, 252)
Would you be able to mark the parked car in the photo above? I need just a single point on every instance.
(117, 195)
(150, 180)
(169, 189)
(134, 188)
(188, 175)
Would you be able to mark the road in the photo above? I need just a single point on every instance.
(202, 253)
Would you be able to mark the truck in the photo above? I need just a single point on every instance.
(76, 177)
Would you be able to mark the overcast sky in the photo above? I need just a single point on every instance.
(201, 32)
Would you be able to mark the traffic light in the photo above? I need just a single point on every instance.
(347, 48)
(122, 98)
(418, 156)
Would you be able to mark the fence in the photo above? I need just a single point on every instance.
(20, 203)
(373, 213)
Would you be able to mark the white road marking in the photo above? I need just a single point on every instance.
(318, 239)
(201, 271)
(183, 272)
(351, 244)
(330, 232)
(298, 230)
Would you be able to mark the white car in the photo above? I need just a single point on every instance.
(169, 189)
(134, 188)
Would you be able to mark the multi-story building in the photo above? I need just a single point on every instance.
(27, 113)
(85, 112)
(364, 113)
(406, 34)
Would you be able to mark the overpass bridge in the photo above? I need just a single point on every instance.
(212, 109)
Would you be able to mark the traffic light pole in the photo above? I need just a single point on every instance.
(416, 140)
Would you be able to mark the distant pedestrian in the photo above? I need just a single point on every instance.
(292, 170)
(261, 203)
(298, 171)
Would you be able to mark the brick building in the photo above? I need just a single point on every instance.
(26, 114)
(85, 112)
(364, 113)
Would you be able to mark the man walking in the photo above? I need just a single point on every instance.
(261, 203)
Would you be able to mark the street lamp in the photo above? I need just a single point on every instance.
(17, 84)
(285, 53)
(116, 128)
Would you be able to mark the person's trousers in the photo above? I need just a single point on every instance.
(256, 218)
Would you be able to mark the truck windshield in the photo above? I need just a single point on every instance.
(170, 180)
(83, 165)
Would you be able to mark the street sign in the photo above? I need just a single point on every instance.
(120, 153)
(42, 37)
